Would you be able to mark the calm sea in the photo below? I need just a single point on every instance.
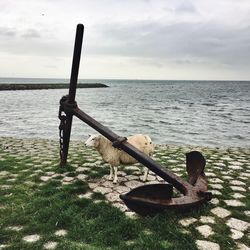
(207, 113)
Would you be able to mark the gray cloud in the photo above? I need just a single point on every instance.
(7, 32)
(31, 33)
(183, 41)
(186, 6)
(162, 34)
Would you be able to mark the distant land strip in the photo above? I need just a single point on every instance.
(31, 86)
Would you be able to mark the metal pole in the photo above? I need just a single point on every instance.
(72, 91)
(75, 63)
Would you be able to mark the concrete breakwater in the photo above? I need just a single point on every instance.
(33, 86)
(33, 164)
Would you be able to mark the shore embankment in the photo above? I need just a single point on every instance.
(34, 86)
(39, 200)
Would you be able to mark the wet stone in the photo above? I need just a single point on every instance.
(25, 170)
(207, 245)
(247, 213)
(236, 234)
(4, 173)
(3, 246)
(121, 189)
(38, 171)
(61, 232)
(220, 212)
(238, 224)
(237, 183)
(150, 178)
(50, 245)
(220, 164)
(235, 167)
(102, 190)
(93, 185)
(122, 179)
(210, 174)
(205, 230)
(81, 169)
(234, 203)
(11, 180)
(243, 178)
(137, 173)
(66, 183)
(68, 179)
(113, 197)
(241, 246)
(216, 180)
(4, 187)
(15, 228)
(237, 163)
(89, 164)
(31, 238)
(132, 177)
(55, 175)
(122, 207)
(238, 188)
(108, 184)
(133, 184)
(122, 173)
(152, 182)
(88, 195)
(99, 201)
(227, 178)
(187, 222)
(215, 192)
(159, 179)
(81, 177)
(45, 178)
(8, 195)
(47, 162)
(245, 174)
(132, 168)
(131, 215)
(215, 201)
(50, 173)
(207, 219)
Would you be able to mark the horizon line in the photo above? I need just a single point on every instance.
(129, 79)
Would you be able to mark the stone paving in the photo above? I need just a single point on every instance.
(228, 172)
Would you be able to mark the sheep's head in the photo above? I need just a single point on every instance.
(92, 141)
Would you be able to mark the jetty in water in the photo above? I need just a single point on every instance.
(35, 86)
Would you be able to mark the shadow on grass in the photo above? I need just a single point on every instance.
(44, 209)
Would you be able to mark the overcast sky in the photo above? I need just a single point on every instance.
(129, 39)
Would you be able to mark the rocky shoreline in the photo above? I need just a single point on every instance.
(35, 86)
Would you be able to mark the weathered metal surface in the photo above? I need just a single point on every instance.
(147, 199)
(66, 122)
(145, 202)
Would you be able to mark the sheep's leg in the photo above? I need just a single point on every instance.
(146, 170)
(115, 178)
(111, 173)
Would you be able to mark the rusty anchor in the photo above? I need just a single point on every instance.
(146, 199)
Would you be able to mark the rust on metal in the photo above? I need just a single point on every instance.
(146, 199)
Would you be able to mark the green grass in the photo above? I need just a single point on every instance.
(45, 207)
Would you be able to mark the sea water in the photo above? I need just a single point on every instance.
(206, 113)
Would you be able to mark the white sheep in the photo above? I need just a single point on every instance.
(116, 157)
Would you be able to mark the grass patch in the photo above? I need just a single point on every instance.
(44, 207)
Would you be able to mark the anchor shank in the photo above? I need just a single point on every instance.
(182, 185)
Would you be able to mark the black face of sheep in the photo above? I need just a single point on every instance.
(117, 157)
